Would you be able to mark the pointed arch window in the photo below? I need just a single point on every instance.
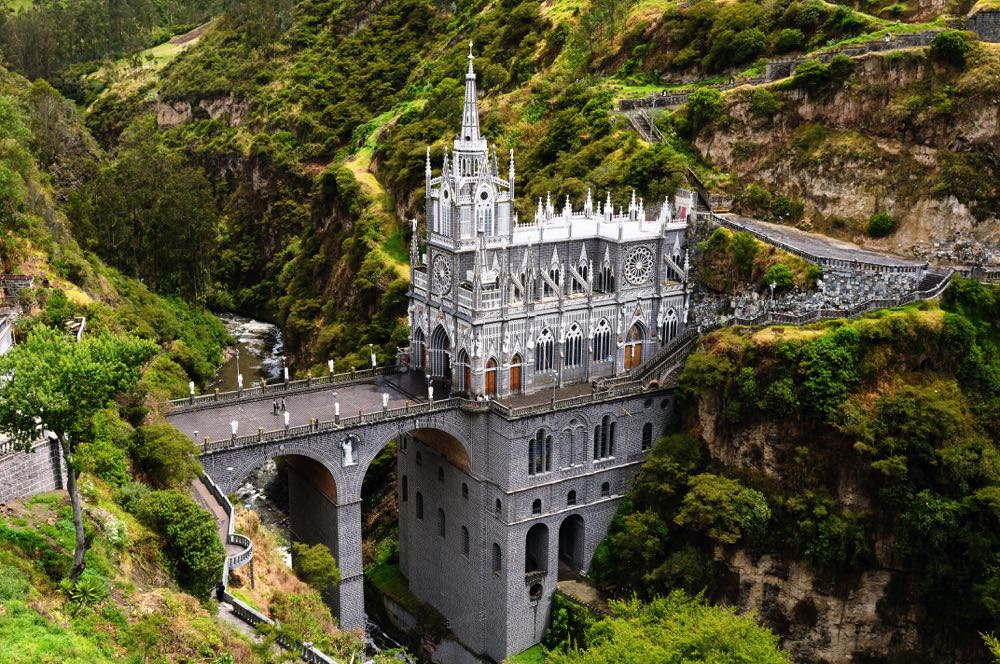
(554, 275)
(606, 278)
(602, 342)
(463, 378)
(574, 346)
(544, 351)
(669, 328)
(647, 436)
(440, 345)
(634, 341)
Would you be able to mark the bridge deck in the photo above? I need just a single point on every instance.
(301, 406)
(821, 245)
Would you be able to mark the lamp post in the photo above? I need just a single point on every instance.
(372, 353)
(773, 285)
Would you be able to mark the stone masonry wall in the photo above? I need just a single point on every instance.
(986, 25)
(25, 474)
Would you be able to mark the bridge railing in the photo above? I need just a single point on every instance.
(252, 617)
(280, 389)
(315, 426)
(236, 560)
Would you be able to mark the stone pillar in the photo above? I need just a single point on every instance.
(350, 592)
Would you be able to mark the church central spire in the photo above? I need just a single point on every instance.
(470, 113)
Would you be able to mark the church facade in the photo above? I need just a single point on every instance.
(501, 308)
(492, 520)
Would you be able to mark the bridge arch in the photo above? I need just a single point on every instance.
(230, 480)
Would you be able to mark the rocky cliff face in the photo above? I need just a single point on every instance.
(884, 141)
(871, 615)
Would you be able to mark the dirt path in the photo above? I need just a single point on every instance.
(191, 35)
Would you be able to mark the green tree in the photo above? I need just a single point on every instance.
(788, 40)
(779, 275)
(723, 509)
(881, 224)
(55, 388)
(316, 566)
(676, 629)
(744, 248)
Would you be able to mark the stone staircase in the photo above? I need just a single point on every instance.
(931, 280)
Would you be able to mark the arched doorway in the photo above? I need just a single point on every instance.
(571, 542)
(536, 549)
(491, 377)
(464, 372)
(419, 356)
(515, 374)
(440, 345)
(633, 346)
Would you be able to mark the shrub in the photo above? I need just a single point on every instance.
(704, 105)
(788, 40)
(165, 455)
(763, 103)
(190, 536)
(316, 566)
(950, 48)
(881, 224)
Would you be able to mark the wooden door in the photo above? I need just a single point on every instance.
(491, 378)
(467, 385)
(515, 379)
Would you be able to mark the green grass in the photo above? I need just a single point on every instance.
(395, 247)
(533, 655)
(245, 599)
(390, 580)
(17, 5)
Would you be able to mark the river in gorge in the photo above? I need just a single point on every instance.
(259, 355)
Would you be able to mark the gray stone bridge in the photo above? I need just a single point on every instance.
(336, 427)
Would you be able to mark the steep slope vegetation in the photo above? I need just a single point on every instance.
(840, 478)
(911, 133)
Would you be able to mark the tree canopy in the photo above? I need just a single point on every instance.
(674, 629)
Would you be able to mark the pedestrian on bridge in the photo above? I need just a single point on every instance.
(274, 407)
(282, 404)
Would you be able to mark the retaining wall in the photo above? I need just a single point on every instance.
(27, 473)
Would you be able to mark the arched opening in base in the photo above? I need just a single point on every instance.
(571, 541)
(536, 549)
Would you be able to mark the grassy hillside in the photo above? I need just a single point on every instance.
(124, 608)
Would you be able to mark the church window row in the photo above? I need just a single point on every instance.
(604, 439)
(540, 453)
(571, 498)
(442, 519)
(605, 279)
